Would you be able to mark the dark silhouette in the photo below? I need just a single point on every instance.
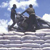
(13, 13)
(32, 17)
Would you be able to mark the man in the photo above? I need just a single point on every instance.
(32, 17)
(13, 13)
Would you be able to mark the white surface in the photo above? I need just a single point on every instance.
(39, 40)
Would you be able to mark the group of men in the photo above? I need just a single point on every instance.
(32, 17)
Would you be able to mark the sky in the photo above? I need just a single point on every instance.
(42, 9)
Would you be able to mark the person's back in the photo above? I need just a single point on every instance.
(30, 11)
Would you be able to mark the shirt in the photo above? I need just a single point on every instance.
(13, 12)
(30, 11)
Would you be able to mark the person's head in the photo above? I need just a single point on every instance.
(30, 6)
(14, 5)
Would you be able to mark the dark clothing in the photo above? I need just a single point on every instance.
(32, 21)
(13, 23)
(13, 12)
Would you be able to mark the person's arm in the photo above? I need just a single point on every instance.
(23, 12)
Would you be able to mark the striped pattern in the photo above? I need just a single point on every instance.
(25, 41)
